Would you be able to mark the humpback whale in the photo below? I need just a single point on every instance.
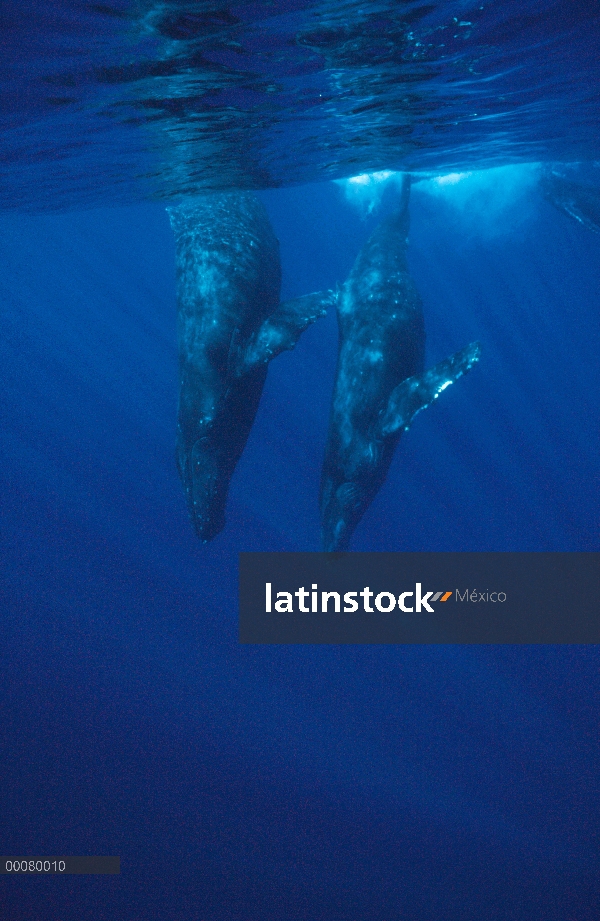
(577, 199)
(230, 324)
(379, 385)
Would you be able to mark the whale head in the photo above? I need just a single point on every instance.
(346, 497)
(205, 487)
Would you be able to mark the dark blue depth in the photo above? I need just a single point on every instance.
(291, 783)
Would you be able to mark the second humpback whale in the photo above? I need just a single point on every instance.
(230, 324)
(579, 200)
(379, 385)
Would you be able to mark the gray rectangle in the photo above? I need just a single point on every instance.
(58, 866)
(491, 597)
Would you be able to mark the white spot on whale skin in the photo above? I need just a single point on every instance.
(444, 385)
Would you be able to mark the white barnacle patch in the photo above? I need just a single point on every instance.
(443, 387)
(373, 355)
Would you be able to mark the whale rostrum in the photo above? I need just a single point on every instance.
(380, 385)
(230, 325)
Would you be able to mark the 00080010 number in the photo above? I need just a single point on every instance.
(35, 866)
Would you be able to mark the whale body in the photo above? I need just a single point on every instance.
(579, 200)
(230, 324)
(380, 384)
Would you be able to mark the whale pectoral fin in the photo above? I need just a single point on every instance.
(416, 393)
(284, 327)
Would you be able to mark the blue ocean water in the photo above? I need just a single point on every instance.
(342, 783)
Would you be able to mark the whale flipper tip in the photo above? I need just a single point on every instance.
(283, 328)
(418, 392)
